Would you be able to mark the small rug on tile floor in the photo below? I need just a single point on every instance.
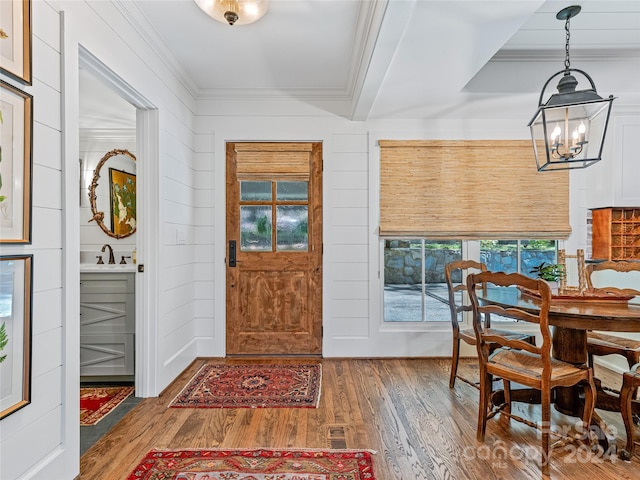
(97, 402)
(217, 464)
(252, 386)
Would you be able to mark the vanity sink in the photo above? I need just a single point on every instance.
(92, 267)
(89, 261)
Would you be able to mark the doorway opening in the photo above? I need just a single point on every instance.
(116, 300)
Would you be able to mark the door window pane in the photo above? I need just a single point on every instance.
(255, 191)
(292, 191)
(292, 228)
(255, 228)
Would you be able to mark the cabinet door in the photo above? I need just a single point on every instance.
(106, 355)
(107, 313)
(107, 324)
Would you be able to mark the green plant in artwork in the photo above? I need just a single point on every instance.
(4, 339)
(550, 272)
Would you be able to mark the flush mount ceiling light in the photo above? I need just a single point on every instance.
(568, 131)
(234, 12)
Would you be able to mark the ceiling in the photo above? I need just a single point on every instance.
(396, 59)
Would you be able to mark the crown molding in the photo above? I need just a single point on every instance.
(134, 15)
(583, 55)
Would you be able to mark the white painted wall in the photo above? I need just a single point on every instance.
(44, 436)
(183, 244)
(32, 436)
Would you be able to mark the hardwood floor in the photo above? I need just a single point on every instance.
(401, 408)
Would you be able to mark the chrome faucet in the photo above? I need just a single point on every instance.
(112, 260)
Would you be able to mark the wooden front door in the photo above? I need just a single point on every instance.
(274, 249)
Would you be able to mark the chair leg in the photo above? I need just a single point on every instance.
(632, 359)
(454, 360)
(546, 429)
(590, 395)
(507, 397)
(486, 383)
(627, 416)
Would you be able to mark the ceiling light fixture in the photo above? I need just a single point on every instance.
(234, 12)
(568, 131)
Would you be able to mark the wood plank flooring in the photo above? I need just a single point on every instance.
(401, 408)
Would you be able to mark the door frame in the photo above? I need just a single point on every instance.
(147, 141)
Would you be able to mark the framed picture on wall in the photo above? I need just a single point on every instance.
(16, 273)
(15, 39)
(123, 201)
(16, 124)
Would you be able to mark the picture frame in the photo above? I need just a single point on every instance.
(15, 39)
(16, 274)
(122, 188)
(101, 194)
(16, 140)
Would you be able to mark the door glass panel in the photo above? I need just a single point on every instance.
(292, 191)
(255, 228)
(255, 191)
(292, 228)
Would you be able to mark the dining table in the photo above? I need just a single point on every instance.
(571, 318)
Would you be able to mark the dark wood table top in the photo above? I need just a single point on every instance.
(578, 315)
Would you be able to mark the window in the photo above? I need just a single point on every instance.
(414, 284)
(265, 205)
(520, 256)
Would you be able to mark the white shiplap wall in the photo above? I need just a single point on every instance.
(30, 435)
(42, 439)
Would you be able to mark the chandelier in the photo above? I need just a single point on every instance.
(569, 130)
(234, 12)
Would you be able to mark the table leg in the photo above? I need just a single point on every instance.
(570, 346)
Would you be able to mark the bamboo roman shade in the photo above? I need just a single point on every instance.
(470, 190)
(273, 161)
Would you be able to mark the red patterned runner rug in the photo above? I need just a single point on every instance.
(256, 464)
(97, 402)
(252, 386)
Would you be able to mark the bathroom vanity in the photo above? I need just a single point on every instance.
(107, 321)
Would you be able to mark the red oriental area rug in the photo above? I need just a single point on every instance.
(252, 386)
(255, 465)
(97, 402)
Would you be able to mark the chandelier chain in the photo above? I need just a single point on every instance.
(567, 62)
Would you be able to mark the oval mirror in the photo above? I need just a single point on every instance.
(115, 195)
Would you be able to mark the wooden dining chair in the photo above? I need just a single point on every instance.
(521, 362)
(630, 384)
(601, 344)
(454, 273)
